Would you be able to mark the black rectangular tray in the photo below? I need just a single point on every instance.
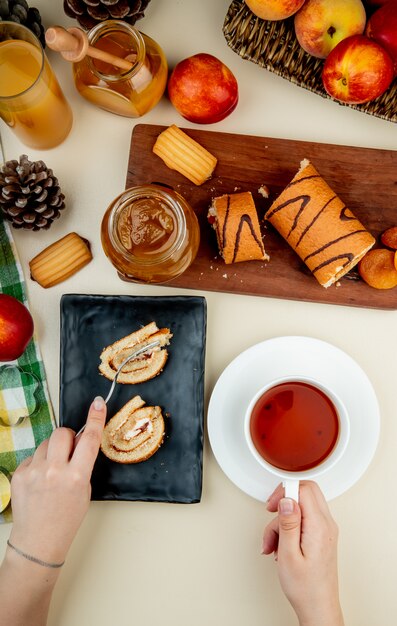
(91, 322)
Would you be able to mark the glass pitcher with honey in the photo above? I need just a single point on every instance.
(132, 92)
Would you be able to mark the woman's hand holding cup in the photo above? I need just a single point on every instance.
(303, 537)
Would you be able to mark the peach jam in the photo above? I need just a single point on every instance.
(150, 234)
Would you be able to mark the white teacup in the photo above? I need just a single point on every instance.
(291, 479)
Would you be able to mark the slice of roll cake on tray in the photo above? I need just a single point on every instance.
(318, 226)
(235, 220)
(143, 367)
(134, 434)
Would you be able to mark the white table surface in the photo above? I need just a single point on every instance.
(147, 563)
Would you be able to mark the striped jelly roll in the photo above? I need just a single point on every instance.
(318, 226)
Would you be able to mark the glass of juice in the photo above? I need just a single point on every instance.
(31, 100)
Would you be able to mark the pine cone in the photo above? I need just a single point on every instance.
(30, 196)
(90, 12)
(18, 11)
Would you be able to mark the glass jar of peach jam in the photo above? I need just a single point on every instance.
(133, 92)
(150, 234)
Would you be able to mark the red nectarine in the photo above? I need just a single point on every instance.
(382, 28)
(357, 70)
(375, 4)
(274, 9)
(203, 89)
(16, 328)
(321, 24)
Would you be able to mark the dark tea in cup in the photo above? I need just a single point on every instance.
(294, 426)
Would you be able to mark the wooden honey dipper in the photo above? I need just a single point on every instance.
(73, 44)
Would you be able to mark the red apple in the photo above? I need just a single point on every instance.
(357, 70)
(321, 24)
(382, 28)
(16, 328)
(274, 9)
(203, 89)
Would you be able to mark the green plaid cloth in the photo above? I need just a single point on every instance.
(23, 387)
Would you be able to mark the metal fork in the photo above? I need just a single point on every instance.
(133, 355)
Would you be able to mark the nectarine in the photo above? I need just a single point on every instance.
(203, 89)
(321, 24)
(274, 9)
(382, 28)
(357, 70)
(16, 328)
(375, 4)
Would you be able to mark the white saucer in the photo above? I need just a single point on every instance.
(291, 356)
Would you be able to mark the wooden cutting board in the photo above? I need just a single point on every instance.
(365, 179)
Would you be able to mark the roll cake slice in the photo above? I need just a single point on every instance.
(235, 220)
(143, 367)
(326, 235)
(134, 434)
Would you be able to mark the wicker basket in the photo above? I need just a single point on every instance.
(273, 45)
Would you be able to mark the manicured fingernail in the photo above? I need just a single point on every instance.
(99, 403)
(286, 506)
